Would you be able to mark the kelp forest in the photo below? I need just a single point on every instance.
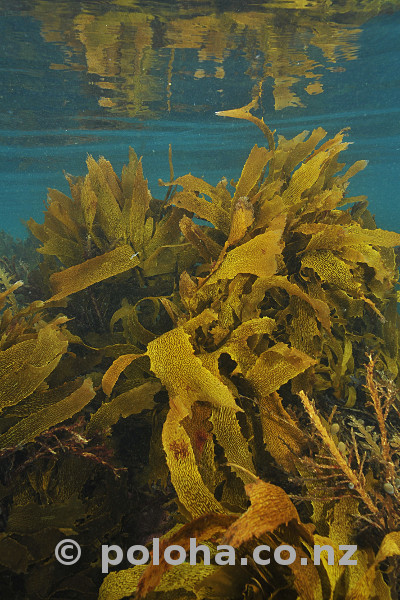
(211, 362)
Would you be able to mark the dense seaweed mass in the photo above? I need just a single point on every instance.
(235, 381)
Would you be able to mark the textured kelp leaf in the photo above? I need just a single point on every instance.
(181, 579)
(99, 268)
(229, 436)
(169, 259)
(206, 247)
(174, 363)
(13, 555)
(110, 377)
(89, 203)
(270, 508)
(108, 211)
(252, 171)
(290, 153)
(207, 527)
(282, 364)
(111, 178)
(365, 587)
(134, 330)
(303, 179)
(21, 377)
(331, 269)
(256, 257)
(205, 210)
(8, 291)
(67, 250)
(185, 476)
(242, 218)
(236, 346)
(124, 405)
(303, 329)
(27, 429)
(138, 206)
(334, 572)
(41, 399)
(283, 437)
(337, 236)
(321, 308)
(29, 518)
(219, 194)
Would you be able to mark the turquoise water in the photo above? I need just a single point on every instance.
(51, 114)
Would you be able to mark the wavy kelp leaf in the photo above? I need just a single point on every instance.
(134, 330)
(321, 308)
(256, 257)
(179, 583)
(335, 572)
(207, 527)
(111, 178)
(181, 461)
(136, 208)
(236, 345)
(173, 361)
(30, 518)
(270, 507)
(203, 209)
(10, 290)
(112, 374)
(108, 210)
(242, 218)
(303, 329)
(282, 364)
(13, 555)
(303, 179)
(252, 170)
(79, 277)
(229, 436)
(27, 429)
(282, 436)
(206, 247)
(25, 366)
(331, 269)
(169, 259)
(41, 399)
(219, 195)
(337, 236)
(128, 403)
(364, 588)
(289, 153)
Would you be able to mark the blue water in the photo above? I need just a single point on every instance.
(50, 117)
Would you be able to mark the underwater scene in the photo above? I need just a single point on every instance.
(199, 322)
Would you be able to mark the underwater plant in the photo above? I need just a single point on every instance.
(242, 345)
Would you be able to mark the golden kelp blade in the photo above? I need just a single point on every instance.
(177, 584)
(27, 429)
(124, 405)
(173, 361)
(24, 366)
(270, 508)
(185, 476)
(79, 277)
(256, 257)
(211, 526)
(111, 375)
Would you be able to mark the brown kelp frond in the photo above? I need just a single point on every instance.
(205, 336)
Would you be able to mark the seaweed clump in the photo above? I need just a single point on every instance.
(221, 334)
